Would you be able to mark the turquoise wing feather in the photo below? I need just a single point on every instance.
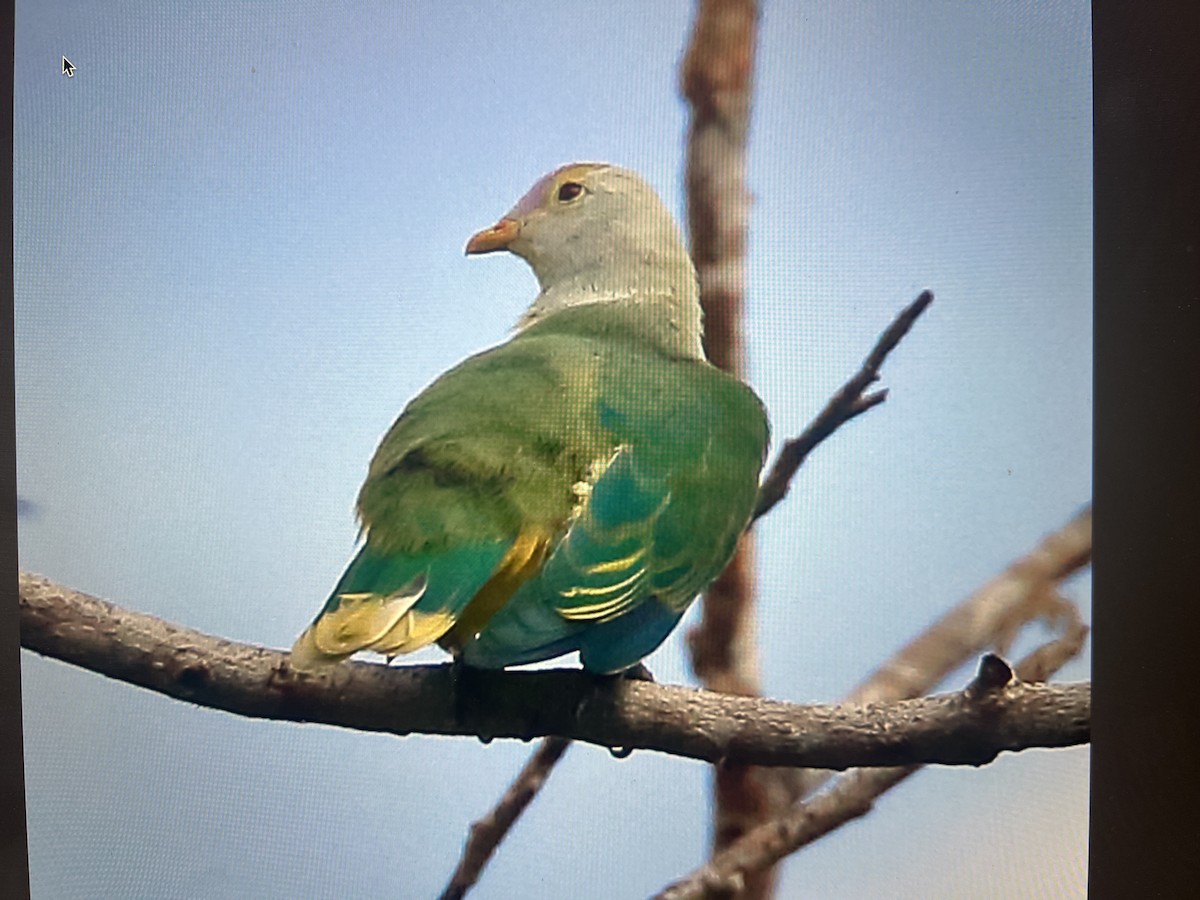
(657, 523)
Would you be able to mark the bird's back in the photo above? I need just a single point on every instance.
(658, 510)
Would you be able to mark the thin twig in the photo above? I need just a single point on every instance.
(848, 403)
(487, 833)
(989, 618)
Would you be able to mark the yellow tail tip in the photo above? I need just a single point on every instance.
(306, 656)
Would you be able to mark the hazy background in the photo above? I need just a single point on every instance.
(238, 253)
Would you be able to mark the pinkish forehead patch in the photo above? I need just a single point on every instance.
(536, 195)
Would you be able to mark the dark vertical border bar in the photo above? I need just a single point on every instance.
(1145, 828)
(14, 849)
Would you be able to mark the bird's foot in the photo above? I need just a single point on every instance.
(467, 691)
(638, 672)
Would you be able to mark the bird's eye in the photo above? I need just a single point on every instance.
(569, 191)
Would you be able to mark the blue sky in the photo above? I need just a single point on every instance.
(238, 253)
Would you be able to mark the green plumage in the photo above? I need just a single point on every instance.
(570, 490)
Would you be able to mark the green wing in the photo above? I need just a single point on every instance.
(463, 497)
(659, 521)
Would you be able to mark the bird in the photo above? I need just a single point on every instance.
(573, 489)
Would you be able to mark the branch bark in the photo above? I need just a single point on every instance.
(989, 618)
(716, 78)
(1026, 590)
(854, 793)
(257, 682)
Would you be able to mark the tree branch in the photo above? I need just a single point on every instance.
(988, 619)
(846, 404)
(487, 833)
(257, 682)
(716, 79)
(854, 793)
(991, 616)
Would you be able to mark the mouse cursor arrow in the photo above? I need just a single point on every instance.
(67, 68)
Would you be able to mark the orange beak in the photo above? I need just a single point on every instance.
(498, 237)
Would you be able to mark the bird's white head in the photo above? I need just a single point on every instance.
(595, 233)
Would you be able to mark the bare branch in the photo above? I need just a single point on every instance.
(487, 833)
(853, 795)
(716, 78)
(846, 404)
(990, 618)
(1026, 590)
(257, 682)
